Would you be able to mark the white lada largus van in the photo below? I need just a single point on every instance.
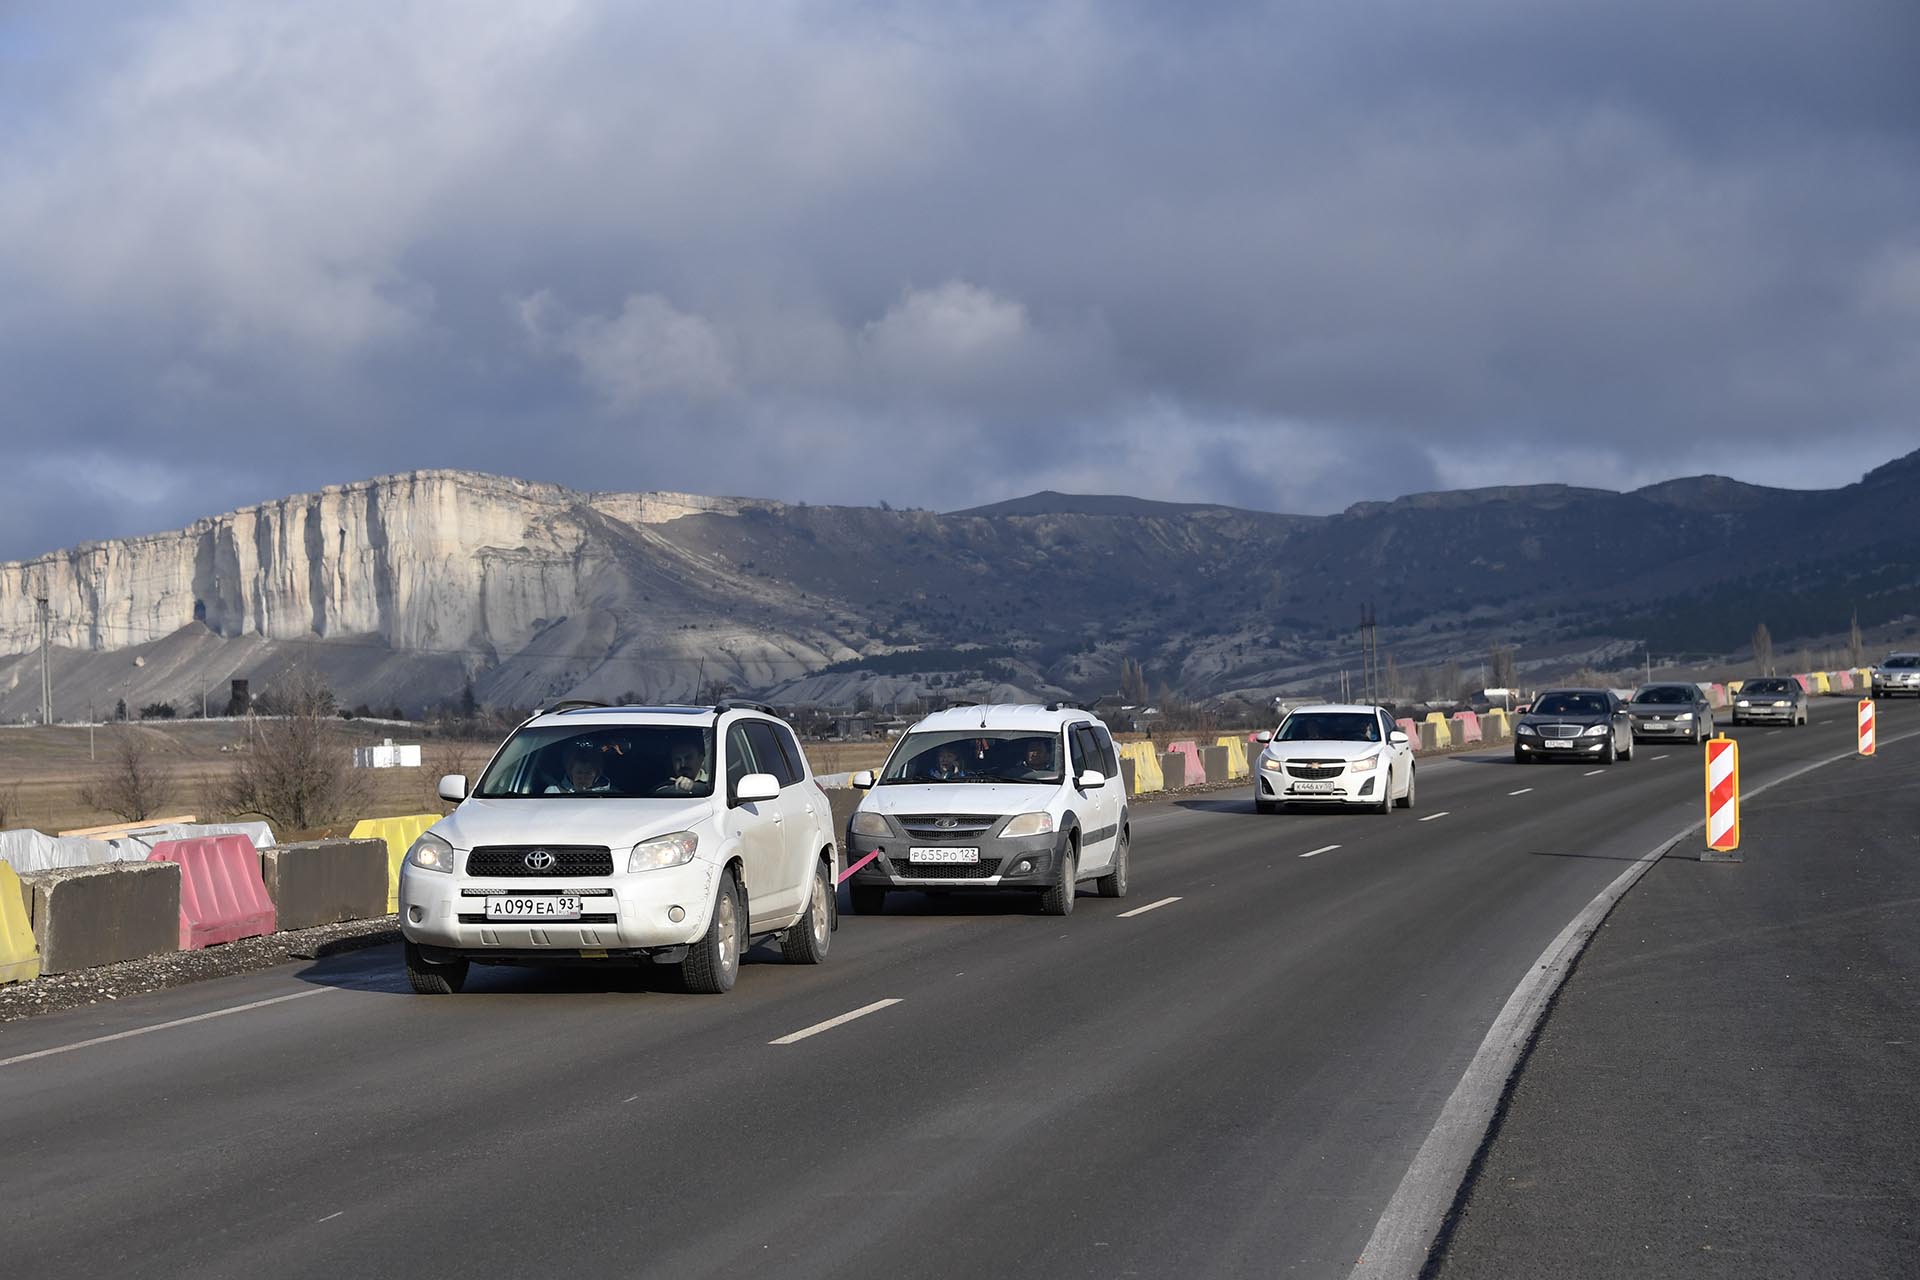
(993, 797)
(676, 835)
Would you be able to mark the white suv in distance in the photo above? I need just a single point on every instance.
(1335, 754)
(993, 797)
(676, 835)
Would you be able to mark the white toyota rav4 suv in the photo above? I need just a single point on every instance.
(675, 835)
(993, 797)
(1335, 754)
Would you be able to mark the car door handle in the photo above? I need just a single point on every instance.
(810, 809)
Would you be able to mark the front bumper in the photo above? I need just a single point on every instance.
(1884, 686)
(1767, 712)
(1562, 748)
(1665, 728)
(999, 867)
(620, 915)
(1349, 788)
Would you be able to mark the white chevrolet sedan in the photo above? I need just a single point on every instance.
(1335, 754)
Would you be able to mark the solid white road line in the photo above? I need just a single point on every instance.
(162, 1026)
(831, 1023)
(1325, 848)
(1402, 1238)
(1430, 817)
(1522, 791)
(1140, 911)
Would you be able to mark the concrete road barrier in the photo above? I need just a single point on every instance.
(84, 917)
(1128, 775)
(1195, 768)
(1173, 770)
(19, 953)
(1147, 775)
(1466, 727)
(1442, 732)
(325, 881)
(1214, 761)
(1237, 765)
(1495, 726)
(222, 898)
(399, 835)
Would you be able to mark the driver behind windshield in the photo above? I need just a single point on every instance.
(689, 768)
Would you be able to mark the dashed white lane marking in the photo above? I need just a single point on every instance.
(330, 1217)
(162, 1026)
(1151, 906)
(1430, 817)
(831, 1023)
(1593, 773)
(1522, 791)
(1325, 848)
(1771, 732)
(1660, 757)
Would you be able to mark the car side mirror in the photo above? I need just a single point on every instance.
(1265, 735)
(453, 788)
(1091, 779)
(863, 780)
(756, 787)
(1399, 738)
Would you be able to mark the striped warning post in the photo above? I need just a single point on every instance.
(1723, 801)
(1866, 726)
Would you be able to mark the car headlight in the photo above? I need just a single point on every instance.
(1684, 716)
(1365, 764)
(431, 853)
(675, 850)
(1595, 731)
(1029, 824)
(1781, 703)
(868, 823)
(1527, 730)
(1270, 764)
(1744, 703)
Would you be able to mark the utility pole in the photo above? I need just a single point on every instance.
(1370, 652)
(46, 634)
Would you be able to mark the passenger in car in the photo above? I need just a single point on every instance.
(583, 775)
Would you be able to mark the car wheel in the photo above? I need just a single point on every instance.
(1520, 757)
(1626, 752)
(807, 940)
(1114, 883)
(1058, 899)
(868, 899)
(1261, 805)
(1385, 803)
(1413, 775)
(713, 962)
(1606, 752)
(430, 979)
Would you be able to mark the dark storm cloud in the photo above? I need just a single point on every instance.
(1287, 256)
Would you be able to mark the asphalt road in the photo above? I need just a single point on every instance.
(1232, 1083)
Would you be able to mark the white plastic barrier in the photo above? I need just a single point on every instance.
(28, 850)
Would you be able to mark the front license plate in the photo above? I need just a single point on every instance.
(508, 907)
(1314, 788)
(923, 854)
(1559, 742)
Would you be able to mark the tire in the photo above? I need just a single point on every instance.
(1264, 806)
(1626, 752)
(807, 939)
(1058, 899)
(1520, 757)
(1413, 776)
(868, 899)
(1607, 752)
(714, 962)
(430, 979)
(1385, 803)
(1114, 883)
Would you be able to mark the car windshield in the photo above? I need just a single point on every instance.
(1903, 660)
(1769, 686)
(975, 755)
(618, 762)
(1571, 704)
(1667, 695)
(1329, 726)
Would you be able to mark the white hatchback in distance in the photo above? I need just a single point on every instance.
(671, 835)
(1335, 754)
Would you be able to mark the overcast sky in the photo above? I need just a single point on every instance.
(1288, 256)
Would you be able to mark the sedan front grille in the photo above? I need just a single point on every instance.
(980, 870)
(1559, 730)
(567, 860)
(1315, 770)
(946, 826)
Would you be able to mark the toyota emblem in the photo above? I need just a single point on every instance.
(539, 860)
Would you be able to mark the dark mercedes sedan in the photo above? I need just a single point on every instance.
(1574, 724)
(1770, 699)
(1671, 711)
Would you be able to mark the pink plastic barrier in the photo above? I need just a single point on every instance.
(1196, 771)
(1843, 680)
(1717, 695)
(222, 897)
(1466, 727)
(1408, 727)
(1806, 683)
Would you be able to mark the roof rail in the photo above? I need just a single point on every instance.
(736, 704)
(570, 704)
(1065, 706)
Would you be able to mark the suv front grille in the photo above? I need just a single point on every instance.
(568, 860)
(959, 826)
(1312, 770)
(980, 870)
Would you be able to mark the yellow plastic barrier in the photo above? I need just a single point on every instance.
(1820, 683)
(1734, 687)
(1146, 766)
(399, 834)
(1494, 726)
(1442, 730)
(1236, 755)
(19, 957)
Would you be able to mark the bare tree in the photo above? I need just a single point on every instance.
(1500, 667)
(132, 785)
(450, 755)
(1763, 649)
(10, 811)
(299, 774)
(1133, 683)
(1856, 643)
